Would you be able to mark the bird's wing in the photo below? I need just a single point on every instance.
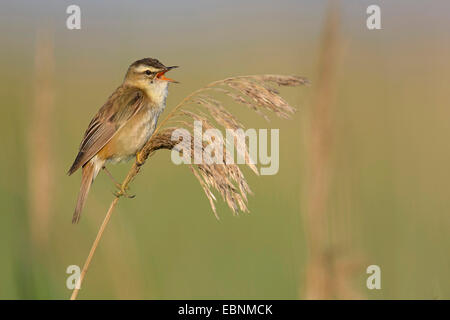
(120, 107)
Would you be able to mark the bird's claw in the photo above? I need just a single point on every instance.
(122, 192)
(140, 158)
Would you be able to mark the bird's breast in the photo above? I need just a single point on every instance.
(133, 135)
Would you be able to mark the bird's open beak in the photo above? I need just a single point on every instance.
(161, 75)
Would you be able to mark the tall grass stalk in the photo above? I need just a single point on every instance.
(40, 156)
(254, 92)
(319, 272)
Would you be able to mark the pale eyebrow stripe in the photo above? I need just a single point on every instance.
(144, 68)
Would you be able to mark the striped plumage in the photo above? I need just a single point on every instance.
(123, 124)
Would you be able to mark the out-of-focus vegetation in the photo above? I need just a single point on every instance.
(388, 200)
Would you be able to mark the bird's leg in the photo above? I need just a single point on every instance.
(122, 191)
(140, 158)
(118, 185)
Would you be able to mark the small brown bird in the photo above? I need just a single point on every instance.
(124, 124)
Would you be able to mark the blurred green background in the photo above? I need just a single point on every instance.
(388, 202)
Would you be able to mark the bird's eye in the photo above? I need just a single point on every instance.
(148, 72)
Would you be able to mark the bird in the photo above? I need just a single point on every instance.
(123, 125)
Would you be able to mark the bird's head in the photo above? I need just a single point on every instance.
(149, 75)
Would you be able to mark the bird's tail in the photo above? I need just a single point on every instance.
(90, 171)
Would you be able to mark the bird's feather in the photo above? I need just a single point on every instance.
(123, 104)
(86, 181)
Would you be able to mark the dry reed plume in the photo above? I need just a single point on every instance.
(256, 93)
